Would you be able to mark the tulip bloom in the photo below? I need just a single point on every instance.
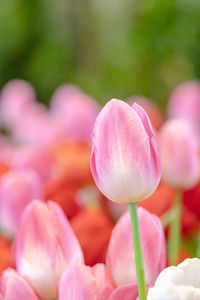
(45, 245)
(16, 97)
(14, 287)
(37, 128)
(80, 282)
(184, 103)
(17, 189)
(120, 259)
(75, 110)
(125, 160)
(180, 283)
(179, 153)
(32, 158)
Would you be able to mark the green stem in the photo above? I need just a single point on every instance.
(138, 252)
(175, 229)
(167, 218)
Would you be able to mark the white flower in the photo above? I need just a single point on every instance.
(178, 283)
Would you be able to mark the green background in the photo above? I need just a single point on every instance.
(110, 48)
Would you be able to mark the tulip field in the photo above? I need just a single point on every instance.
(99, 202)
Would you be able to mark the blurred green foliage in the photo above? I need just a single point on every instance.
(109, 48)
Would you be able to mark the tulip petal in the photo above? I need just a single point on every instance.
(77, 283)
(104, 284)
(14, 287)
(126, 292)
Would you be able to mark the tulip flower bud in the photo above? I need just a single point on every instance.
(14, 287)
(32, 157)
(45, 245)
(80, 282)
(17, 189)
(180, 283)
(70, 104)
(37, 128)
(17, 95)
(120, 259)
(179, 153)
(125, 160)
(184, 103)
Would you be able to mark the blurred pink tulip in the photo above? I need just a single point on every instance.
(184, 103)
(14, 287)
(6, 150)
(16, 97)
(75, 110)
(120, 256)
(45, 245)
(17, 189)
(179, 152)
(37, 127)
(80, 282)
(32, 157)
(125, 160)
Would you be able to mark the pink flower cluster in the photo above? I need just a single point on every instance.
(49, 259)
(42, 193)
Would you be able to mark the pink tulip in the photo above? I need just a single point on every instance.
(125, 160)
(179, 152)
(120, 259)
(80, 282)
(17, 95)
(32, 157)
(6, 150)
(184, 103)
(14, 287)
(37, 127)
(45, 245)
(17, 189)
(75, 110)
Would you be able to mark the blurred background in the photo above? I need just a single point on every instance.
(109, 48)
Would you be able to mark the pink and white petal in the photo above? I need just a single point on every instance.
(155, 154)
(125, 292)
(104, 284)
(77, 283)
(13, 286)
